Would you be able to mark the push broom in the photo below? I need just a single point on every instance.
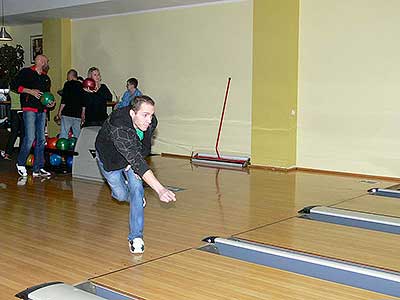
(217, 159)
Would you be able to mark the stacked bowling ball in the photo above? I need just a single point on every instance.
(55, 160)
(52, 143)
(30, 160)
(69, 162)
(72, 143)
(62, 144)
(59, 161)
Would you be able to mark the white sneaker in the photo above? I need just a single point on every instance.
(22, 181)
(41, 173)
(136, 246)
(22, 171)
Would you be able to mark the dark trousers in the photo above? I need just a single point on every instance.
(17, 128)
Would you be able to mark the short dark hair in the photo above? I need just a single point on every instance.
(133, 81)
(139, 100)
(73, 72)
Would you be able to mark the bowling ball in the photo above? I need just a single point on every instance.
(55, 160)
(89, 83)
(30, 160)
(69, 162)
(72, 143)
(52, 143)
(62, 144)
(47, 98)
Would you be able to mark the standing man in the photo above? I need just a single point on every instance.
(71, 111)
(31, 83)
(120, 158)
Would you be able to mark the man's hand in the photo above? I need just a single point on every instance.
(91, 91)
(166, 195)
(51, 105)
(88, 90)
(35, 93)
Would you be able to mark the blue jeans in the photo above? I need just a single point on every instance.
(70, 122)
(131, 192)
(34, 123)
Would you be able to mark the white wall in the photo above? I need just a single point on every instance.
(349, 92)
(182, 58)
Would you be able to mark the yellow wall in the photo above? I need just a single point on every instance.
(275, 63)
(182, 58)
(57, 47)
(349, 86)
(21, 35)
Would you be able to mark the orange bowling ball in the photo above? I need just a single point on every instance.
(52, 143)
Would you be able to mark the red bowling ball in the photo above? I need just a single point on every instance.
(89, 83)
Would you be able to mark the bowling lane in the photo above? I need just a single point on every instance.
(373, 204)
(199, 275)
(357, 245)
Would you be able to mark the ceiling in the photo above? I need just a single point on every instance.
(18, 12)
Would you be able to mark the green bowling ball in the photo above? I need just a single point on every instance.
(47, 98)
(72, 143)
(62, 144)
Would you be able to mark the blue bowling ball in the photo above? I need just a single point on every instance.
(55, 160)
(69, 162)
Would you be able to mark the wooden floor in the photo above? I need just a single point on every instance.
(68, 230)
(374, 204)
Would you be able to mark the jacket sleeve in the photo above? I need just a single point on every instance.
(128, 144)
(105, 93)
(65, 93)
(20, 80)
(147, 139)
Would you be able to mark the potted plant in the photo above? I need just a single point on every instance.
(11, 61)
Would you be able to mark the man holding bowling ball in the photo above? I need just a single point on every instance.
(32, 83)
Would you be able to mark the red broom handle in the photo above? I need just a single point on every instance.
(222, 117)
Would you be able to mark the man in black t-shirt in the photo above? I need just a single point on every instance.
(71, 110)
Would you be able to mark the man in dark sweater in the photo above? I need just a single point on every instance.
(120, 158)
(31, 83)
(72, 109)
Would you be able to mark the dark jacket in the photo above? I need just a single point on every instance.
(118, 145)
(73, 98)
(96, 106)
(147, 139)
(29, 78)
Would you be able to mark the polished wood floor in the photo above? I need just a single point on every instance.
(69, 230)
